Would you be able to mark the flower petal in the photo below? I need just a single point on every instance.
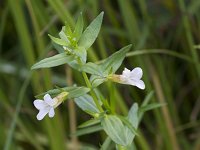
(49, 100)
(126, 73)
(43, 112)
(140, 84)
(39, 104)
(51, 112)
(136, 73)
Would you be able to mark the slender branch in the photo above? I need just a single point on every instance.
(93, 94)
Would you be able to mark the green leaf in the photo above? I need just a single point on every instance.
(63, 35)
(112, 63)
(73, 92)
(92, 68)
(115, 129)
(67, 30)
(134, 120)
(58, 47)
(79, 27)
(86, 103)
(59, 41)
(91, 32)
(106, 105)
(147, 98)
(88, 123)
(145, 103)
(97, 80)
(151, 106)
(128, 124)
(78, 91)
(133, 115)
(81, 53)
(109, 66)
(106, 144)
(53, 61)
(88, 130)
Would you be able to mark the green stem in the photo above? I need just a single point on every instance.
(92, 92)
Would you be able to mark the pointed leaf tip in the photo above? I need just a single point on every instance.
(129, 46)
(102, 13)
(91, 32)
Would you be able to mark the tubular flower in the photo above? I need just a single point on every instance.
(130, 77)
(48, 105)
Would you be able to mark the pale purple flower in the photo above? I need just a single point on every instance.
(132, 77)
(45, 106)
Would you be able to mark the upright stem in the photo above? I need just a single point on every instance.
(93, 94)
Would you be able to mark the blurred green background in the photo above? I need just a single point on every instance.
(165, 35)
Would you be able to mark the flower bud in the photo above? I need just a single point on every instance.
(60, 98)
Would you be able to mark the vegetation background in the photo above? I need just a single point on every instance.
(165, 35)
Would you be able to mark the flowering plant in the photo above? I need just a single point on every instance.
(72, 49)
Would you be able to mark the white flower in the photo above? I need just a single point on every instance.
(45, 106)
(48, 105)
(132, 77)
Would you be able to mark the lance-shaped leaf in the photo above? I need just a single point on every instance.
(115, 129)
(106, 144)
(91, 32)
(88, 123)
(92, 68)
(81, 53)
(78, 27)
(134, 120)
(58, 47)
(73, 92)
(145, 103)
(96, 80)
(53, 61)
(88, 130)
(112, 63)
(59, 41)
(151, 106)
(109, 66)
(128, 124)
(64, 34)
(86, 103)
